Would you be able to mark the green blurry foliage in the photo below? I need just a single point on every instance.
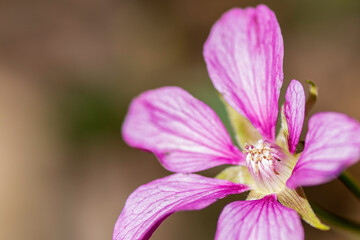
(89, 113)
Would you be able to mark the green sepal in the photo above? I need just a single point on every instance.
(283, 136)
(254, 195)
(236, 174)
(312, 98)
(245, 132)
(296, 199)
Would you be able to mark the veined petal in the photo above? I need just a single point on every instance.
(184, 133)
(244, 57)
(331, 145)
(296, 199)
(152, 203)
(294, 109)
(258, 220)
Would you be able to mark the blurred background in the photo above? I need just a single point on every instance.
(69, 69)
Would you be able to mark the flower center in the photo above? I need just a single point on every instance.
(269, 166)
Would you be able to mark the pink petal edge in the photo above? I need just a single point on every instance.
(183, 132)
(244, 57)
(152, 203)
(294, 109)
(331, 145)
(259, 220)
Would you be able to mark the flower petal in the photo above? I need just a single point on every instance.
(151, 203)
(331, 145)
(244, 57)
(259, 219)
(294, 109)
(184, 133)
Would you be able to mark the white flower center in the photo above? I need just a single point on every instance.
(268, 165)
(258, 155)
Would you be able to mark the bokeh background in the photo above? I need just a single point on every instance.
(69, 69)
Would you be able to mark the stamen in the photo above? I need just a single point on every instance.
(269, 166)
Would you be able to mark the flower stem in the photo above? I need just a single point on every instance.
(336, 220)
(350, 183)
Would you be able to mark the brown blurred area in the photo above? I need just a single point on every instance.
(69, 69)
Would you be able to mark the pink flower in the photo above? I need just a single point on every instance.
(244, 57)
